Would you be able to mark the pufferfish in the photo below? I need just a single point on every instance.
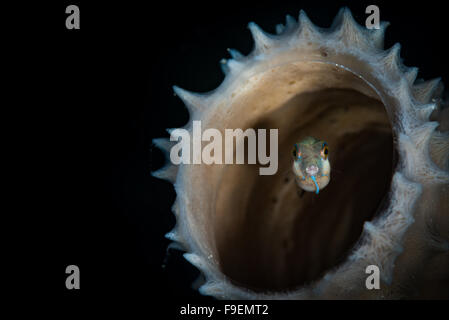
(311, 164)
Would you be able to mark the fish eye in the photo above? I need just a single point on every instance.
(324, 151)
(296, 152)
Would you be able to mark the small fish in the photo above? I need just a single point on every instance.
(311, 164)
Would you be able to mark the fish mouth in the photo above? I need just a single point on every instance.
(312, 170)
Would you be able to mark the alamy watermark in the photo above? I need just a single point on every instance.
(73, 279)
(373, 280)
(73, 19)
(189, 150)
(373, 20)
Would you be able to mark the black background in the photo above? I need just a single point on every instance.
(107, 92)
